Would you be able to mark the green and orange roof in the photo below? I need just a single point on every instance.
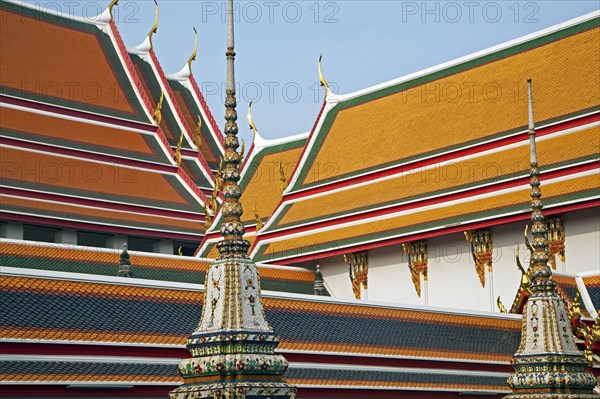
(441, 153)
(74, 160)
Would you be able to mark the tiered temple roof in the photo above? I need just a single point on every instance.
(470, 111)
(104, 262)
(375, 346)
(79, 141)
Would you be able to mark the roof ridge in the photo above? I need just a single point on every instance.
(474, 55)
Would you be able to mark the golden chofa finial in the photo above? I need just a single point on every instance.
(180, 251)
(257, 219)
(197, 137)
(193, 56)
(155, 26)
(157, 111)
(110, 7)
(251, 122)
(177, 155)
(322, 80)
(282, 177)
(501, 307)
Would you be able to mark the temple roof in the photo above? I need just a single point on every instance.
(426, 104)
(342, 199)
(92, 74)
(260, 185)
(81, 146)
(124, 314)
(52, 184)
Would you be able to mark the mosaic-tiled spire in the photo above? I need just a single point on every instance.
(547, 364)
(233, 346)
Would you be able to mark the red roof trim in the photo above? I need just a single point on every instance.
(52, 149)
(433, 200)
(90, 202)
(440, 232)
(445, 157)
(77, 113)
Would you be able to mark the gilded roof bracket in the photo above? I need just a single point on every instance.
(177, 154)
(556, 240)
(482, 249)
(358, 270)
(197, 136)
(417, 262)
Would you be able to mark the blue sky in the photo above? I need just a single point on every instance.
(278, 43)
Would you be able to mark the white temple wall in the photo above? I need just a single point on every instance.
(453, 281)
(582, 242)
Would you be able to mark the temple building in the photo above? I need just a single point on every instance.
(386, 255)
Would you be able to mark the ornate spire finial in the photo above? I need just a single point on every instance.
(322, 80)
(541, 272)
(194, 53)
(155, 26)
(232, 228)
(547, 364)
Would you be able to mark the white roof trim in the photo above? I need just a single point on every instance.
(89, 359)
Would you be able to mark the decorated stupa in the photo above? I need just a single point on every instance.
(547, 364)
(233, 346)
